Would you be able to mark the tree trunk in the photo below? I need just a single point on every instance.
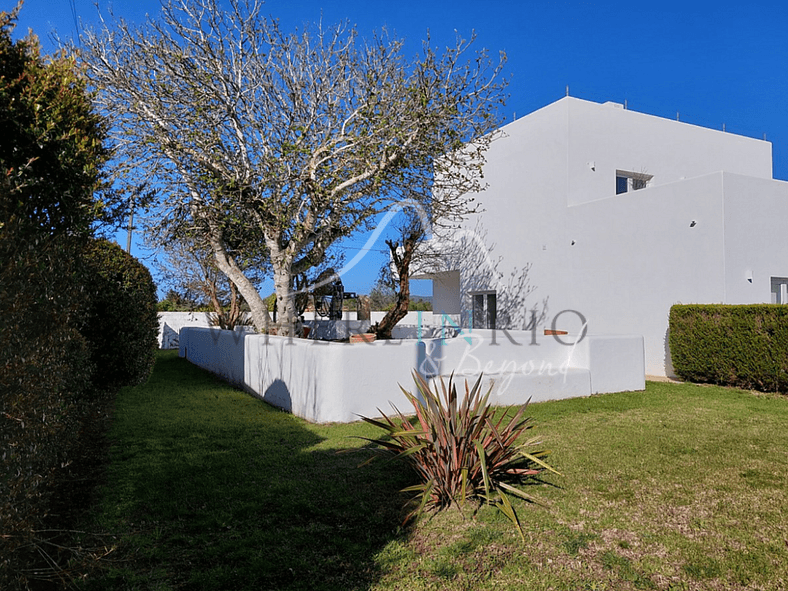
(257, 306)
(383, 328)
(226, 320)
(288, 324)
(234, 316)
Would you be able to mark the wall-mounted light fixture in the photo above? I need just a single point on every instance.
(592, 165)
(749, 275)
(573, 242)
(692, 223)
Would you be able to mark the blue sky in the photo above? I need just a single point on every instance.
(714, 63)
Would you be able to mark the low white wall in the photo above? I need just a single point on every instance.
(171, 323)
(412, 318)
(337, 382)
(319, 381)
(528, 363)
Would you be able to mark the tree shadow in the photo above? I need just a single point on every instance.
(215, 489)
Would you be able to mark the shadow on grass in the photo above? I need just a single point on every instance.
(209, 488)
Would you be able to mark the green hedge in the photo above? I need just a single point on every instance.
(121, 320)
(45, 372)
(51, 157)
(744, 346)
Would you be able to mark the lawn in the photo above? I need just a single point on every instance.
(677, 487)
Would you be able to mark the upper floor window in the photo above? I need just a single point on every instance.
(779, 290)
(631, 181)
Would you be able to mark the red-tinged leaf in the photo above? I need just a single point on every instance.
(387, 426)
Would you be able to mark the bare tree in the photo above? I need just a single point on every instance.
(411, 231)
(189, 268)
(290, 141)
(402, 250)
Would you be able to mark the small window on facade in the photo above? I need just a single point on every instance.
(621, 184)
(484, 309)
(779, 290)
(631, 181)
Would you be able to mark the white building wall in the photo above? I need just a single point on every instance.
(523, 206)
(756, 245)
(623, 260)
(612, 138)
(636, 254)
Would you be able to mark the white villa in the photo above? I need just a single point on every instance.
(621, 215)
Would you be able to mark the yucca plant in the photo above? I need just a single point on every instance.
(460, 451)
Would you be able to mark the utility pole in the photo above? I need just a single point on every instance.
(131, 221)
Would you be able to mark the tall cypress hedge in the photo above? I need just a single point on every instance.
(51, 153)
(732, 345)
(63, 347)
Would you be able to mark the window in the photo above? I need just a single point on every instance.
(631, 181)
(484, 309)
(779, 290)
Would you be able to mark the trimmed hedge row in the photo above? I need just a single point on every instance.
(121, 321)
(79, 321)
(63, 348)
(745, 346)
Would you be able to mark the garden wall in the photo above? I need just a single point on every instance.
(336, 382)
(171, 323)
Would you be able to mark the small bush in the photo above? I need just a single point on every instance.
(741, 346)
(460, 451)
(121, 322)
(166, 306)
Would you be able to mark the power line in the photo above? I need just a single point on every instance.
(384, 251)
(73, 5)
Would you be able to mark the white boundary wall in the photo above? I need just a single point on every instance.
(338, 382)
(171, 323)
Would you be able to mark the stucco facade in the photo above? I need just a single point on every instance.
(621, 215)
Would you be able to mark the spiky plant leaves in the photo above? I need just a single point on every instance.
(536, 460)
(483, 466)
(505, 506)
(460, 449)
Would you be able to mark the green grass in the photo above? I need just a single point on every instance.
(677, 487)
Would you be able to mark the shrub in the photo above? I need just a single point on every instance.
(44, 373)
(51, 153)
(743, 346)
(121, 322)
(460, 451)
(166, 306)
